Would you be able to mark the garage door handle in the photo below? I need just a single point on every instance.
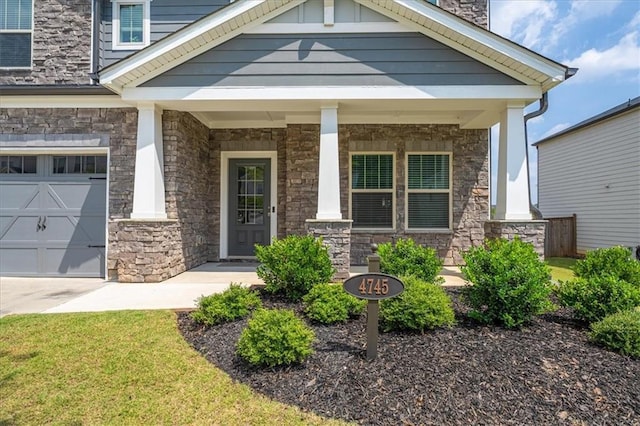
(38, 226)
(44, 223)
(92, 246)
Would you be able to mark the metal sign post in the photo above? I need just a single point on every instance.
(373, 287)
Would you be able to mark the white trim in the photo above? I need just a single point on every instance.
(329, 166)
(429, 191)
(54, 150)
(116, 43)
(308, 93)
(341, 28)
(329, 13)
(210, 32)
(392, 190)
(225, 156)
(64, 101)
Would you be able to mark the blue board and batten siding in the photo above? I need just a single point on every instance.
(374, 59)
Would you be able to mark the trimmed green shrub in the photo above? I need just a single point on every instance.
(291, 266)
(619, 332)
(614, 261)
(408, 258)
(235, 302)
(329, 303)
(275, 337)
(421, 306)
(510, 283)
(595, 297)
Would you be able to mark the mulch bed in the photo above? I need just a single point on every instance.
(546, 373)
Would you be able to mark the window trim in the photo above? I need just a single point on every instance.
(392, 190)
(426, 191)
(29, 31)
(116, 43)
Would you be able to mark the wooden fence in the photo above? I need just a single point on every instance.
(560, 239)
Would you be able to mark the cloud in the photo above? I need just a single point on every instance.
(555, 129)
(598, 64)
(524, 20)
(581, 11)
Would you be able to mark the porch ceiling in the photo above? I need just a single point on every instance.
(468, 114)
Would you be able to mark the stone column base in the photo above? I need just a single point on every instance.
(144, 251)
(336, 235)
(530, 231)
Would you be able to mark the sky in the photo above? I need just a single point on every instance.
(600, 37)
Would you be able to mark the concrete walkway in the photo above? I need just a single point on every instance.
(57, 295)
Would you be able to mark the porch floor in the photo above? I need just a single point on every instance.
(245, 273)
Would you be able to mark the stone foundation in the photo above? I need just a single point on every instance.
(148, 251)
(529, 231)
(336, 235)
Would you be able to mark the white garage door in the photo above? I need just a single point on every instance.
(52, 215)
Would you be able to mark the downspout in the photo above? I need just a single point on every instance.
(95, 52)
(544, 105)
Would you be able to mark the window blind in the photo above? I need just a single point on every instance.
(131, 23)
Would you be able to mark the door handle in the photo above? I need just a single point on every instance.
(44, 223)
(38, 226)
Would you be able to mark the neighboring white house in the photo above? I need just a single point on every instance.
(593, 170)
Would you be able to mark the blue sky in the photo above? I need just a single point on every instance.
(600, 37)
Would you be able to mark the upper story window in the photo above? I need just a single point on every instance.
(16, 33)
(372, 190)
(131, 24)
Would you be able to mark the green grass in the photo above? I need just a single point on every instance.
(561, 268)
(129, 367)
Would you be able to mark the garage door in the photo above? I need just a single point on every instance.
(52, 215)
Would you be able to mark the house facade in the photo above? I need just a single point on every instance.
(592, 170)
(139, 139)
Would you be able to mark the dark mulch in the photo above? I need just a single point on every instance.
(546, 373)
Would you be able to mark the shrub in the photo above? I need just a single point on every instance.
(619, 332)
(275, 337)
(615, 261)
(421, 306)
(510, 283)
(291, 266)
(329, 303)
(235, 302)
(595, 297)
(407, 258)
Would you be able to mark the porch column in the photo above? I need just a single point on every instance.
(512, 201)
(329, 171)
(148, 187)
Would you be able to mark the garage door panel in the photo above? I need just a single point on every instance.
(75, 229)
(86, 196)
(16, 195)
(80, 261)
(19, 261)
(21, 228)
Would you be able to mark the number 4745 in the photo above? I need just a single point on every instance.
(378, 286)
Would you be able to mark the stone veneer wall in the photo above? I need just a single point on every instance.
(475, 11)
(529, 231)
(336, 235)
(61, 45)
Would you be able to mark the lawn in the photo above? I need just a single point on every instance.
(561, 268)
(128, 367)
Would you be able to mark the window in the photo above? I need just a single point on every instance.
(18, 164)
(16, 23)
(131, 26)
(429, 191)
(372, 191)
(79, 164)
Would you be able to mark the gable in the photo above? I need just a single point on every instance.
(253, 16)
(370, 59)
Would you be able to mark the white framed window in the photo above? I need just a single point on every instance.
(428, 200)
(372, 190)
(16, 33)
(131, 24)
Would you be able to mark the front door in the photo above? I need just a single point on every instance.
(249, 209)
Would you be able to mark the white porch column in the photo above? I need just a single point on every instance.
(148, 187)
(512, 201)
(329, 172)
